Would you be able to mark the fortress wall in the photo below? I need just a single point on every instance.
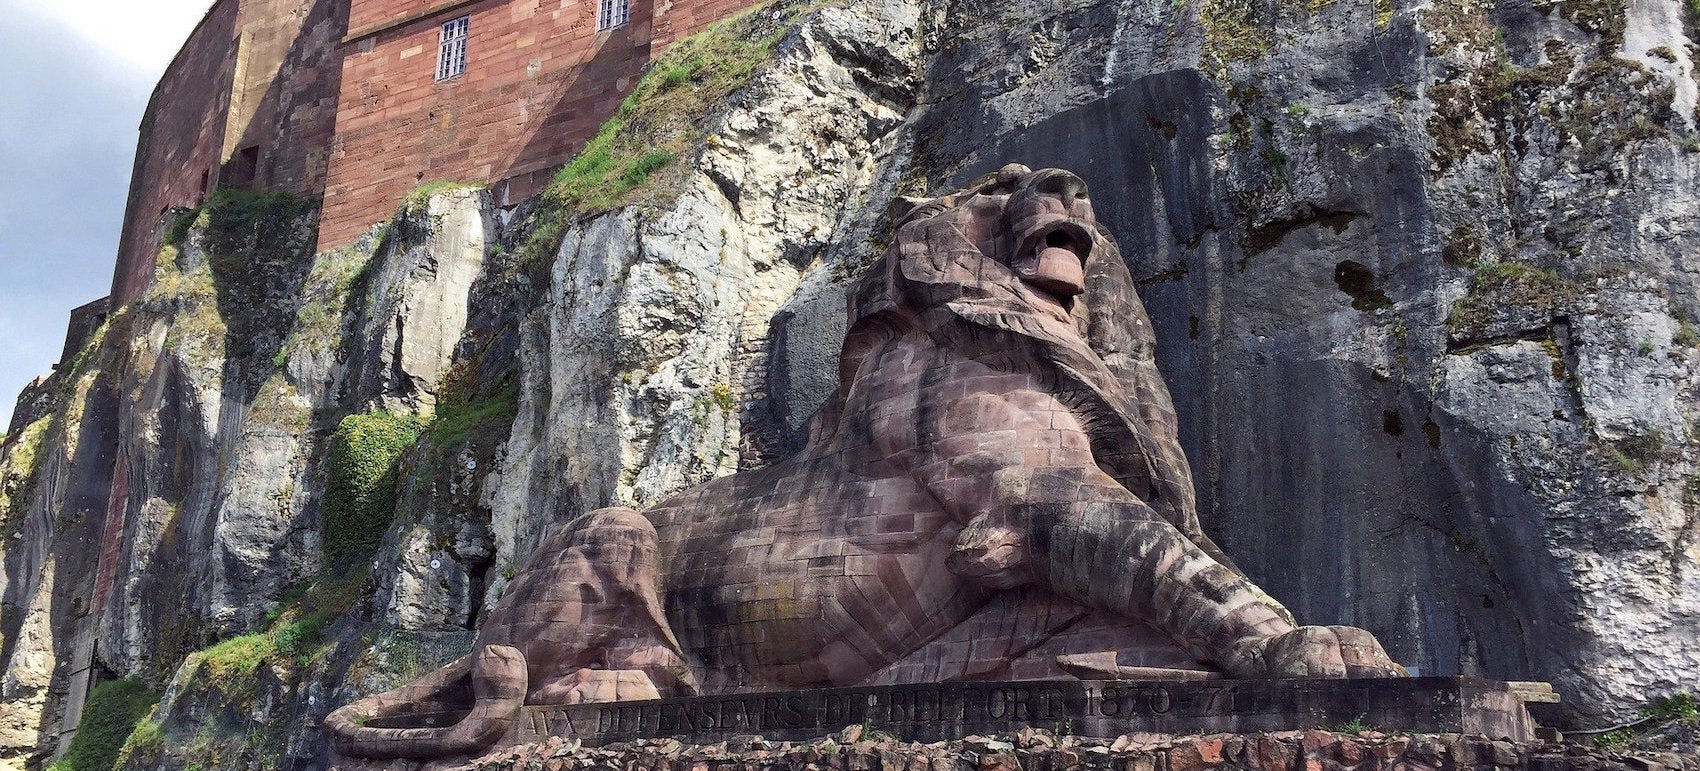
(676, 20)
(540, 80)
(182, 134)
(339, 98)
(257, 76)
(283, 100)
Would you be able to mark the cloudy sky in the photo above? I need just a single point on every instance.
(74, 79)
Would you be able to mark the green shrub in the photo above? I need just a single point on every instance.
(147, 739)
(295, 639)
(238, 655)
(1614, 739)
(360, 490)
(111, 713)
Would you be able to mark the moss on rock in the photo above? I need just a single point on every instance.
(111, 713)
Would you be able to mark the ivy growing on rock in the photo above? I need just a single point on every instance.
(360, 489)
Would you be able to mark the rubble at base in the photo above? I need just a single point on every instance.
(858, 749)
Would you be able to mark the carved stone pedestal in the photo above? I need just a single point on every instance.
(1101, 708)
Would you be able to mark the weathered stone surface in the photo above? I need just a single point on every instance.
(1510, 180)
(1106, 709)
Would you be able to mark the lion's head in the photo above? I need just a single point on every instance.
(1016, 270)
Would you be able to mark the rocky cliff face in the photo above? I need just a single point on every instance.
(1417, 273)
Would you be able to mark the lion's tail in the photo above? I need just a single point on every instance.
(497, 674)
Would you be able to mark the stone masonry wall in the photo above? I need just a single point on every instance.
(259, 74)
(855, 749)
(540, 80)
(181, 135)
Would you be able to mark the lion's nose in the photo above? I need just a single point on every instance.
(1060, 183)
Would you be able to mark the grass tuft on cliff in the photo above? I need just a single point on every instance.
(419, 198)
(111, 713)
(661, 120)
(1505, 284)
(360, 489)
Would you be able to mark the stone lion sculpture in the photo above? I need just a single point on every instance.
(999, 462)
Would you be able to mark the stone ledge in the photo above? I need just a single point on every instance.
(1103, 709)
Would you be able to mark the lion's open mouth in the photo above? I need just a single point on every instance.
(1070, 235)
(1052, 257)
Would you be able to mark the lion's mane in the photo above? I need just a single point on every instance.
(1102, 365)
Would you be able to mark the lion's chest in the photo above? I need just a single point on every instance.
(821, 556)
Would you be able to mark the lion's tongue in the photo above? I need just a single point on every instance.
(1060, 270)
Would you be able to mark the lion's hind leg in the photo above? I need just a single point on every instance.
(492, 680)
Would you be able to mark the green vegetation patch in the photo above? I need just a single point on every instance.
(1232, 31)
(360, 489)
(1496, 286)
(1632, 454)
(112, 711)
(18, 468)
(334, 287)
(1244, 30)
(457, 421)
(1681, 707)
(234, 221)
(293, 635)
(65, 396)
(291, 640)
(660, 120)
(239, 305)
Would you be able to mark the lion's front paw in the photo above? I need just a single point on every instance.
(597, 685)
(1328, 651)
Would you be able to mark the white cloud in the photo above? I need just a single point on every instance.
(143, 33)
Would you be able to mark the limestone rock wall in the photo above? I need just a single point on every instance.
(1417, 270)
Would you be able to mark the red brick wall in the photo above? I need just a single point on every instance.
(683, 18)
(181, 135)
(539, 82)
(255, 73)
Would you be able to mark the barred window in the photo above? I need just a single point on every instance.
(451, 51)
(613, 13)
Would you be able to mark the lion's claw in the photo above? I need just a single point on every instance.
(597, 685)
(1327, 652)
